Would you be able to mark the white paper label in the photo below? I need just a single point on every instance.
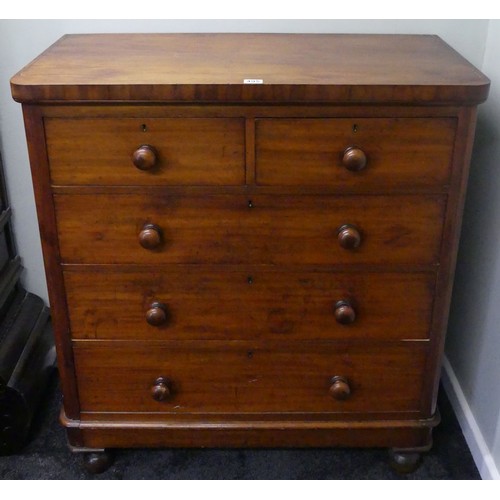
(253, 80)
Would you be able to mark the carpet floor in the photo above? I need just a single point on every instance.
(46, 456)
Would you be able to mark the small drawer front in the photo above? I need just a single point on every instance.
(135, 377)
(214, 304)
(149, 151)
(356, 154)
(226, 229)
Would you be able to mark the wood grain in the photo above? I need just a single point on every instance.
(48, 232)
(225, 230)
(233, 378)
(212, 68)
(401, 152)
(211, 303)
(408, 432)
(449, 253)
(191, 151)
(257, 110)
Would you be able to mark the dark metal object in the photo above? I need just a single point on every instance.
(32, 369)
(27, 351)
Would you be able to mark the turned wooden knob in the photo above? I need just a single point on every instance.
(354, 159)
(156, 315)
(344, 312)
(145, 157)
(340, 389)
(162, 389)
(349, 236)
(150, 236)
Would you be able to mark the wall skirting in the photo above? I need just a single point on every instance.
(475, 440)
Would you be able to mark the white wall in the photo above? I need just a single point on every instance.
(474, 342)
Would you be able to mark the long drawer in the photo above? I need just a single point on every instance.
(194, 377)
(230, 229)
(180, 151)
(200, 303)
(390, 153)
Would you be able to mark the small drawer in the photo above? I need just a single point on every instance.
(200, 303)
(227, 229)
(202, 378)
(355, 154)
(146, 151)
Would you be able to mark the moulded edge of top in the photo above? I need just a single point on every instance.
(468, 94)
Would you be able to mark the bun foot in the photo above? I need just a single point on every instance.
(97, 462)
(404, 462)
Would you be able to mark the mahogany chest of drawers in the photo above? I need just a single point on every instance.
(250, 240)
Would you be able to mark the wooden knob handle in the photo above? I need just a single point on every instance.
(349, 236)
(157, 315)
(354, 159)
(161, 389)
(150, 236)
(340, 389)
(145, 157)
(344, 312)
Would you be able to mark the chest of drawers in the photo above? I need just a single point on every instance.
(250, 264)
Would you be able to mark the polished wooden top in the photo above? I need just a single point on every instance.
(413, 69)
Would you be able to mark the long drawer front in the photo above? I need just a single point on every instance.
(236, 377)
(207, 303)
(229, 229)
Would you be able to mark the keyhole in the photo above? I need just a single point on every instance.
(144, 127)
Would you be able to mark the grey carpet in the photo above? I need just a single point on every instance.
(46, 456)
